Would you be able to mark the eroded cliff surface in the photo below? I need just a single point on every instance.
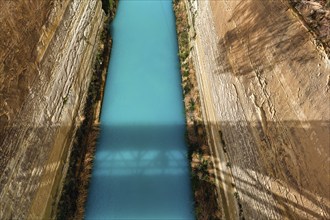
(48, 48)
(264, 86)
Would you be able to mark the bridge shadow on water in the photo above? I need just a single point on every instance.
(142, 150)
(141, 171)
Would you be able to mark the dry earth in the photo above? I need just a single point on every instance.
(264, 85)
(47, 48)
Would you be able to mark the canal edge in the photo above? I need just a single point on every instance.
(209, 197)
(88, 133)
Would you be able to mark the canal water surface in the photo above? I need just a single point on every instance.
(141, 169)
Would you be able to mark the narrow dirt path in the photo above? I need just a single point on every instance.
(229, 203)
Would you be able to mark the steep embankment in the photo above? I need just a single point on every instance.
(207, 204)
(264, 86)
(47, 52)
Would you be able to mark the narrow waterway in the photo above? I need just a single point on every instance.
(140, 168)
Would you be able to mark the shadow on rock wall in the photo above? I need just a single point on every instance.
(258, 42)
(286, 162)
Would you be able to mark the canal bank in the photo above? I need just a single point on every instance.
(140, 168)
(208, 202)
(73, 196)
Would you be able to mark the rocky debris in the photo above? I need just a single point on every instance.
(47, 51)
(316, 14)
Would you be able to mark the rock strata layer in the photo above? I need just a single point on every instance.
(48, 49)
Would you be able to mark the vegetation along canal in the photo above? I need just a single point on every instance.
(141, 169)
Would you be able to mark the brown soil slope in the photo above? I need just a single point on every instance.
(21, 27)
(47, 48)
(264, 85)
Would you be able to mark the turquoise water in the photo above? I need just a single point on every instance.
(141, 169)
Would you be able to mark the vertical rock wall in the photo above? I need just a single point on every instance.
(264, 85)
(36, 139)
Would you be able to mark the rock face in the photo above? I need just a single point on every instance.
(47, 50)
(264, 86)
(316, 14)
